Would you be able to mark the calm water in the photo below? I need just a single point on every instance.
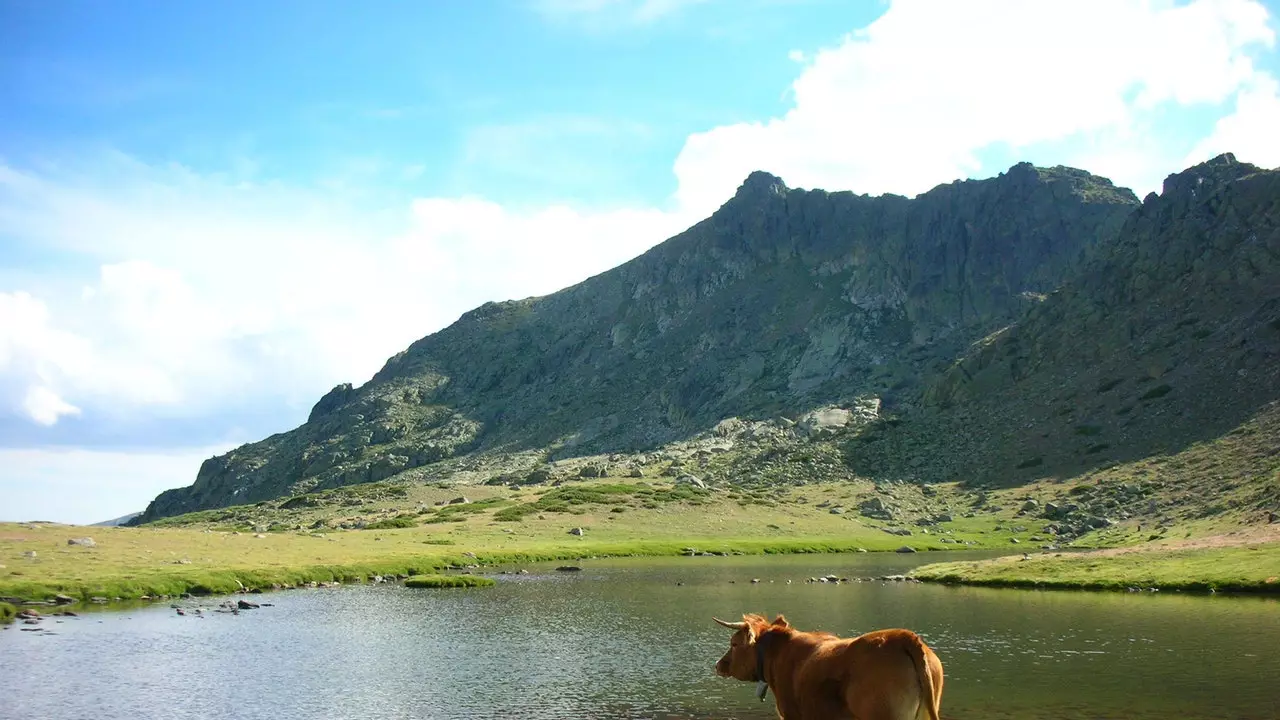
(623, 640)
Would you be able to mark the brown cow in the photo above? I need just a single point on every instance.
(882, 675)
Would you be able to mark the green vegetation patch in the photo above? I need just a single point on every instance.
(567, 499)
(1253, 568)
(7, 613)
(449, 581)
(399, 521)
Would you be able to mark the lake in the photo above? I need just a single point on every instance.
(622, 639)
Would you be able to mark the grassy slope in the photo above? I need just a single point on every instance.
(1199, 518)
(1208, 490)
(130, 562)
(1254, 568)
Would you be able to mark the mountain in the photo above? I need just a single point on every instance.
(784, 300)
(122, 520)
(1165, 339)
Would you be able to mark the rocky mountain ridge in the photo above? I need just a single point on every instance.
(1168, 337)
(783, 303)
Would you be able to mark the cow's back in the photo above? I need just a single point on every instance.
(890, 675)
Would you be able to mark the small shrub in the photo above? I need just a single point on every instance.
(400, 521)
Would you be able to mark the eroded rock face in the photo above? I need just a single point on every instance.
(1165, 337)
(782, 301)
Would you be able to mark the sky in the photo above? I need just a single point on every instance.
(212, 213)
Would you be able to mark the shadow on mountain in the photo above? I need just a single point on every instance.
(1168, 338)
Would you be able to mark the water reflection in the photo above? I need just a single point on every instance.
(634, 639)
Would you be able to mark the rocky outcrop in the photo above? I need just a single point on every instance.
(1167, 337)
(783, 301)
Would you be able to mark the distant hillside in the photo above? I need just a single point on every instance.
(782, 301)
(1167, 337)
(122, 520)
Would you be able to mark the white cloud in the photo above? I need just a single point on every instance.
(1250, 131)
(208, 292)
(914, 99)
(32, 357)
(45, 407)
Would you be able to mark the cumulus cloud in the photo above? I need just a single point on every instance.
(201, 293)
(915, 98)
(1250, 130)
(44, 406)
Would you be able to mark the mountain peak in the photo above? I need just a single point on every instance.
(761, 184)
(1219, 170)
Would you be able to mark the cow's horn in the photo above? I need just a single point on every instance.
(731, 626)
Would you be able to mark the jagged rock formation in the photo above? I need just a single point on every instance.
(1167, 337)
(782, 301)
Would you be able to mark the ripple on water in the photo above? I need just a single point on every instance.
(622, 640)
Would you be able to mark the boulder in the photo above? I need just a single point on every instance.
(824, 422)
(875, 508)
(82, 542)
(691, 480)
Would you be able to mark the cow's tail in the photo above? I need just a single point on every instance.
(917, 652)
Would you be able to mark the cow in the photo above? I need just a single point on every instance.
(881, 675)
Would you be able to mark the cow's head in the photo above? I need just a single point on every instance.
(742, 661)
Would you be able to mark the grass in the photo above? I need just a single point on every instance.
(7, 613)
(449, 581)
(1250, 568)
(207, 556)
(412, 529)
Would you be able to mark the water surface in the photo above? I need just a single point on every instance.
(634, 639)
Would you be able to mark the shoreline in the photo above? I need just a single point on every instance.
(1245, 568)
(1136, 570)
(127, 586)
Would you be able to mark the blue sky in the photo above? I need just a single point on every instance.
(210, 213)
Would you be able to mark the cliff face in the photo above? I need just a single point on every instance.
(1167, 337)
(780, 301)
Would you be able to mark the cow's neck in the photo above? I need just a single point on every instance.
(767, 638)
(762, 686)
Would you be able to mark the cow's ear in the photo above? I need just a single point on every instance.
(781, 622)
